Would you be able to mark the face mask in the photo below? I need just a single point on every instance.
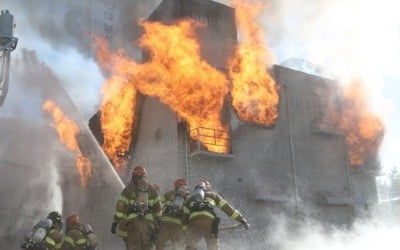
(182, 191)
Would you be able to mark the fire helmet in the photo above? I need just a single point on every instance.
(139, 171)
(72, 219)
(180, 183)
(55, 217)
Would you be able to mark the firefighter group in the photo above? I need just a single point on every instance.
(146, 220)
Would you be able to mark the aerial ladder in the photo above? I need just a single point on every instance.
(7, 44)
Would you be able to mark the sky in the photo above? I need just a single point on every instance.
(347, 38)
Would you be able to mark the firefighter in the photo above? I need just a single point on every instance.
(203, 221)
(172, 219)
(139, 207)
(46, 234)
(78, 236)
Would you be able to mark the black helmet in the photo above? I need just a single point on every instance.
(56, 218)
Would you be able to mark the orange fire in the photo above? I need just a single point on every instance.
(117, 119)
(363, 130)
(254, 92)
(67, 131)
(176, 74)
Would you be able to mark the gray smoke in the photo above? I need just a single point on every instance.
(29, 180)
(31, 83)
(60, 32)
(30, 152)
(69, 23)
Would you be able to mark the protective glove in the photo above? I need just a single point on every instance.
(114, 226)
(245, 223)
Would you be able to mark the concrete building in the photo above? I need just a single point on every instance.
(298, 167)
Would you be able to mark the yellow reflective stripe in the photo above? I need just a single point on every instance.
(58, 246)
(120, 215)
(211, 201)
(197, 213)
(149, 217)
(154, 201)
(132, 216)
(69, 240)
(171, 219)
(81, 241)
(186, 210)
(123, 234)
(235, 214)
(222, 203)
(123, 199)
(162, 198)
(50, 241)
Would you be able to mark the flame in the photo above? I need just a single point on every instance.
(176, 74)
(363, 130)
(117, 109)
(117, 119)
(67, 131)
(254, 92)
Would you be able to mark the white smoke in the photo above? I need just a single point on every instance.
(29, 178)
(284, 234)
(347, 39)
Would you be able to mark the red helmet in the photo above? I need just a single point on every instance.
(180, 183)
(73, 219)
(139, 171)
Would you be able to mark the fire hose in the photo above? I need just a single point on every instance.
(231, 227)
(224, 228)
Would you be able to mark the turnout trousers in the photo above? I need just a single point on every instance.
(173, 232)
(140, 231)
(199, 228)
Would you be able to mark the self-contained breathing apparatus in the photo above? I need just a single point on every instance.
(175, 209)
(199, 203)
(91, 238)
(36, 237)
(141, 203)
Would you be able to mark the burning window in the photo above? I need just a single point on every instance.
(209, 140)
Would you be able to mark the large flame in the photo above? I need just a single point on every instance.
(254, 92)
(176, 74)
(363, 130)
(67, 131)
(117, 119)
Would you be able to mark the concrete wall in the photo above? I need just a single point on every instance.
(291, 168)
(156, 146)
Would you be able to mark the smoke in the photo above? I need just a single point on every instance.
(31, 83)
(286, 234)
(29, 179)
(347, 40)
(30, 154)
